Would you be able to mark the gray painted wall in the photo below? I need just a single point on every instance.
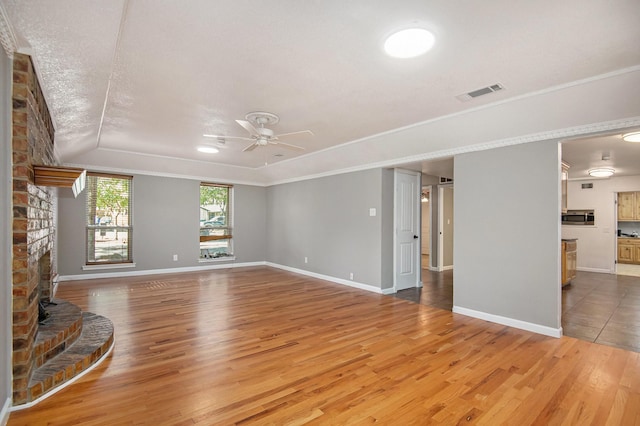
(5, 231)
(327, 220)
(165, 222)
(507, 239)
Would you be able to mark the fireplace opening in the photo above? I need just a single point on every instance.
(44, 286)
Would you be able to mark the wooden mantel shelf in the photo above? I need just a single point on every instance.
(60, 176)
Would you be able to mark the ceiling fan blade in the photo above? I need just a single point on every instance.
(288, 146)
(250, 147)
(227, 137)
(295, 133)
(248, 127)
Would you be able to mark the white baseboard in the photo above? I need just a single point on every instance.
(67, 383)
(598, 270)
(121, 274)
(511, 322)
(4, 413)
(437, 269)
(349, 283)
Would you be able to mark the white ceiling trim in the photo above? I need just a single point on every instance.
(123, 19)
(168, 157)
(561, 134)
(115, 170)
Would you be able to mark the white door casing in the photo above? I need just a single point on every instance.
(406, 220)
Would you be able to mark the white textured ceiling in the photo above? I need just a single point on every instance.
(150, 77)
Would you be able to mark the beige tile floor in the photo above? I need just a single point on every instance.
(600, 308)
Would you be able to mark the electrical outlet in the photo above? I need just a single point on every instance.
(350, 275)
(175, 257)
(306, 259)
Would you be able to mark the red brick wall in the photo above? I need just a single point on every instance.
(33, 225)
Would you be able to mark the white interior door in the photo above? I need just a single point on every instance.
(407, 230)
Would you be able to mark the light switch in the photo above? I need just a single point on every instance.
(372, 211)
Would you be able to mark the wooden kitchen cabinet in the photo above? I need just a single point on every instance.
(629, 206)
(569, 260)
(629, 250)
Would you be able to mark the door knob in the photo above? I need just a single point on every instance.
(415, 237)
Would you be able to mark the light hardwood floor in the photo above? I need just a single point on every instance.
(264, 346)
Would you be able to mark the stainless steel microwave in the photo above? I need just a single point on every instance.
(578, 217)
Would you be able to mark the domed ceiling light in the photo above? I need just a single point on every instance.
(601, 172)
(409, 43)
(631, 137)
(208, 149)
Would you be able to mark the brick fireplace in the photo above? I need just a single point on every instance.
(45, 354)
(33, 221)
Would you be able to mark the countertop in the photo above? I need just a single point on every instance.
(569, 239)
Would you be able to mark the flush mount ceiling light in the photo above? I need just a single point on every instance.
(208, 149)
(409, 43)
(631, 137)
(601, 172)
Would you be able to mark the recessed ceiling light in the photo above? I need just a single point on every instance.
(409, 43)
(631, 137)
(208, 149)
(601, 172)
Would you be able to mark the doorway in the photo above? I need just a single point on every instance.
(406, 218)
(425, 227)
(445, 228)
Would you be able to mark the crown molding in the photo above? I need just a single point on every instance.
(7, 36)
(118, 170)
(561, 135)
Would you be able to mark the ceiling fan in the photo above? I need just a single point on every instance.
(260, 135)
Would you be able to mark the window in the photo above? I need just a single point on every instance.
(215, 221)
(109, 228)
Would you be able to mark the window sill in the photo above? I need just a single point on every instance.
(217, 259)
(108, 266)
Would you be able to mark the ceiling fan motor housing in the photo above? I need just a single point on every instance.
(264, 132)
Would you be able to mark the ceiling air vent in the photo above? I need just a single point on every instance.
(480, 92)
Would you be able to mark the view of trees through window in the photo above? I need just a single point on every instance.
(215, 221)
(108, 219)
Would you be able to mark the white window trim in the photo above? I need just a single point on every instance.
(217, 259)
(108, 266)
